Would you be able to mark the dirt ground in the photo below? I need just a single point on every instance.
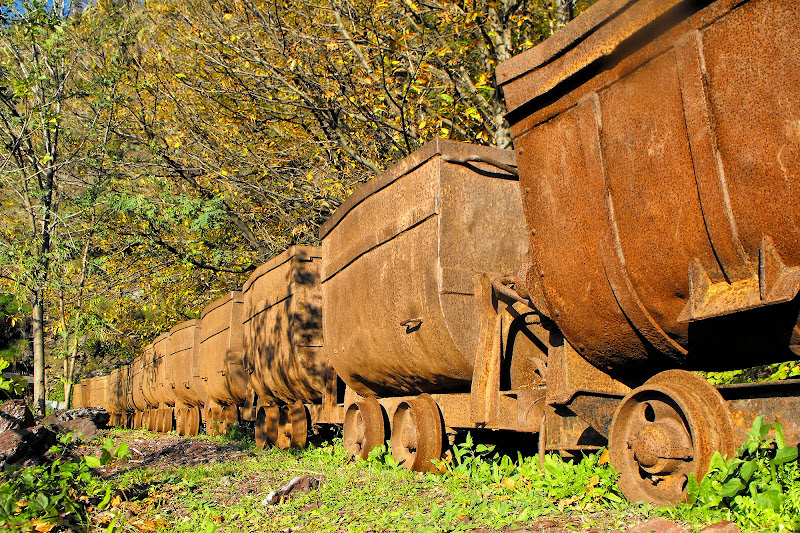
(169, 451)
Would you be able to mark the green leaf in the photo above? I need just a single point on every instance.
(91, 461)
(731, 488)
(121, 451)
(692, 488)
(106, 499)
(748, 468)
(780, 439)
(784, 455)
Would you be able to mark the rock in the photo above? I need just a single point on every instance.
(50, 420)
(15, 414)
(304, 484)
(657, 525)
(722, 527)
(82, 428)
(97, 415)
(17, 445)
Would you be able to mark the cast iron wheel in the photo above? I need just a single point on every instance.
(213, 420)
(296, 425)
(169, 419)
(191, 420)
(417, 434)
(229, 415)
(666, 430)
(180, 420)
(267, 421)
(364, 427)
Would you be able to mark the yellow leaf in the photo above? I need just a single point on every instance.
(509, 483)
(116, 501)
(227, 16)
(603, 458)
(44, 527)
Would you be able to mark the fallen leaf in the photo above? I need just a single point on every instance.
(604, 458)
(42, 526)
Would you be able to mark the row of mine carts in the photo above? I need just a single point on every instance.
(647, 224)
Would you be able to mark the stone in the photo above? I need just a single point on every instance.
(722, 527)
(17, 445)
(81, 428)
(657, 525)
(15, 414)
(97, 415)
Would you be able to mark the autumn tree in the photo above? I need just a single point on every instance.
(54, 117)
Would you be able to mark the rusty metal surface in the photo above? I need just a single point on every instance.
(183, 367)
(665, 430)
(221, 354)
(365, 427)
(283, 328)
(399, 259)
(778, 401)
(658, 160)
(418, 434)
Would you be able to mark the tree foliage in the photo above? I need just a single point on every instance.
(155, 153)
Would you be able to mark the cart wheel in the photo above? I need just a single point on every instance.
(213, 420)
(666, 430)
(417, 433)
(267, 423)
(192, 420)
(169, 419)
(226, 416)
(161, 420)
(296, 426)
(230, 416)
(364, 427)
(180, 420)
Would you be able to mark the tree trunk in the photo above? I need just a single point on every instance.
(38, 353)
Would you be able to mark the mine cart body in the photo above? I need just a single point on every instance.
(161, 389)
(78, 390)
(183, 363)
(400, 259)
(115, 393)
(222, 350)
(659, 154)
(149, 386)
(101, 392)
(88, 392)
(137, 373)
(283, 328)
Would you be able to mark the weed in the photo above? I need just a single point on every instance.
(40, 497)
(759, 487)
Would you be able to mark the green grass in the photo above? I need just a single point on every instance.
(477, 488)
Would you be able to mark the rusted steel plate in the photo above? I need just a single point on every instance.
(400, 257)
(658, 147)
(222, 350)
(283, 327)
(779, 401)
(183, 368)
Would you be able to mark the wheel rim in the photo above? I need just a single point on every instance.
(192, 420)
(168, 421)
(229, 415)
(417, 433)
(297, 425)
(664, 431)
(213, 421)
(364, 427)
(267, 421)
